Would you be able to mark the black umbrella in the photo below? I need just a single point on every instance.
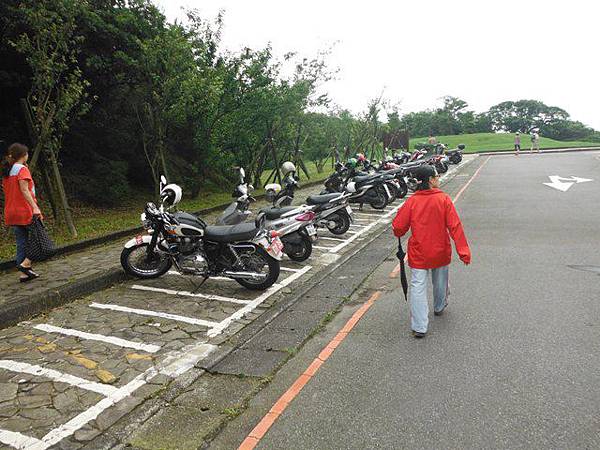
(400, 254)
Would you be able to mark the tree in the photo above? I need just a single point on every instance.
(58, 91)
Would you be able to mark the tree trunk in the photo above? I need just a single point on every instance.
(62, 193)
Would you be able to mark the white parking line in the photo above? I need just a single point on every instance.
(357, 226)
(55, 375)
(332, 238)
(190, 294)
(145, 312)
(20, 441)
(319, 247)
(257, 301)
(150, 348)
(288, 269)
(174, 272)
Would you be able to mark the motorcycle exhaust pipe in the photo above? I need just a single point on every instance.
(245, 275)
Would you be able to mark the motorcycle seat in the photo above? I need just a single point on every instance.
(189, 219)
(231, 233)
(275, 213)
(320, 199)
(364, 178)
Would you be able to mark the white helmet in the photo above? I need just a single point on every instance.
(170, 194)
(288, 167)
(271, 191)
(351, 187)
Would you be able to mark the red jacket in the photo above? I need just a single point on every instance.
(432, 218)
(16, 209)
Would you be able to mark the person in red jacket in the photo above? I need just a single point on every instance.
(432, 219)
(20, 204)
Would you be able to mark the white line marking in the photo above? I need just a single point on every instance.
(150, 348)
(55, 375)
(351, 232)
(352, 238)
(145, 312)
(332, 238)
(319, 247)
(175, 364)
(191, 294)
(257, 301)
(174, 272)
(357, 226)
(288, 269)
(18, 440)
(370, 214)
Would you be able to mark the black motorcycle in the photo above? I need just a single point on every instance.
(455, 156)
(246, 252)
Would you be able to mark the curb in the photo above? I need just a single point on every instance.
(23, 309)
(87, 243)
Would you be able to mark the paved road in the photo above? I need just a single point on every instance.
(62, 374)
(514, 362)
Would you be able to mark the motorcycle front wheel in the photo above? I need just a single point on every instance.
(259, 261)
(138, 263)
(342, 223)
(298, 251)
(403, 190)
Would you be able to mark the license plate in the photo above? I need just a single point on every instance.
(276, 247)
(349, 210)
(310, 229)
(139, 239)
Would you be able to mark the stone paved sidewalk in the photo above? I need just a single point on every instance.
(67, 277)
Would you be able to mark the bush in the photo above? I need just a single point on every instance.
(104, 183)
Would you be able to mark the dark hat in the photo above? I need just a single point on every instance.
(424, 172)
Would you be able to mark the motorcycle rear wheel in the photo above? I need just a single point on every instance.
(342, 223)
(456, 159)
(137, 263)
(256, 262)
(298, 251)
(381, 201)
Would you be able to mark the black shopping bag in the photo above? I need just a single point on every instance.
(39, 245)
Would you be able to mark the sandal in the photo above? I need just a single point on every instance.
(27, 271)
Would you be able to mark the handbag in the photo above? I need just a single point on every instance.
(39, 245)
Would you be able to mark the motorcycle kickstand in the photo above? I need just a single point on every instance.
(197, 286)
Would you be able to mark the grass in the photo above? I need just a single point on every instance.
(478, 142)
(93, 222)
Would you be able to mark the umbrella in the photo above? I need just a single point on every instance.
(400, 254)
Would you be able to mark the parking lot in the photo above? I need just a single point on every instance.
(61, 374)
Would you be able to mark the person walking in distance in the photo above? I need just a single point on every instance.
(20, 204)
(432, 219)
(431, 140)
(535, 141)
(517, 144)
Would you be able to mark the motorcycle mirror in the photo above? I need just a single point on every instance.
(242, 172)
(163, 180)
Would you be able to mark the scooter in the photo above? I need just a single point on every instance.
(455, 156)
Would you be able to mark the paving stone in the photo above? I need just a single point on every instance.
(251, 362)
(111, 415)
(8, 391)
(66, 401)
(86, 433)
(34, 401)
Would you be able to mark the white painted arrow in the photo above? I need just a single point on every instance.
(558, 182)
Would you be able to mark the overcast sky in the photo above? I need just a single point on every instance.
(417, 51)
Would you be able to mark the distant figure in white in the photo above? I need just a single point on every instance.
(517, 143)
(535, 141)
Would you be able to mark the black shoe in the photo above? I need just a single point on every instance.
(418, 334)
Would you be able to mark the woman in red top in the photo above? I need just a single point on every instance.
(20, 204)
(432, 219)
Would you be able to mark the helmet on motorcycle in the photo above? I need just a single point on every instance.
(351, 187)
(288, 167)
(352, 163)
(170, 195)
(271, 191)
(361, 157)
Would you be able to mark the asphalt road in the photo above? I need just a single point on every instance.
(514, 361)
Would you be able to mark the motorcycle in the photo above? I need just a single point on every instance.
(455, 156)
(370, 188)
(293, 224)
(246, 253)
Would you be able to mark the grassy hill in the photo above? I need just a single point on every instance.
(498, 141)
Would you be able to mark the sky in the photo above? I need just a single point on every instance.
(417, 51)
